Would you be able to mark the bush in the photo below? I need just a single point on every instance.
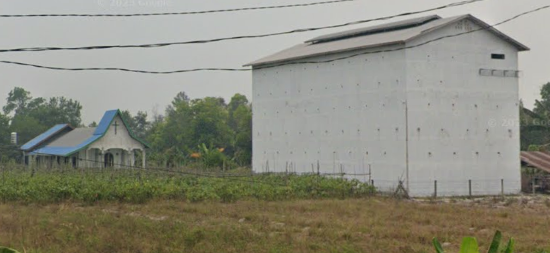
(127, 185)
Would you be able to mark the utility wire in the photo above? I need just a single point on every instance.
(172, 13)
(281, 64)
(413, 46)
(123, 69)
(155, 45)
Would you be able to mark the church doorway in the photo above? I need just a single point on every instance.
(109, 160)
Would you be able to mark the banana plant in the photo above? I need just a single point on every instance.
(469, 245)
(7, 250)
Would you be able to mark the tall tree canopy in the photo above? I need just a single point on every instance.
(535, 125)
(542, 106)
(138, 123)
(210, 121)
(32, 116)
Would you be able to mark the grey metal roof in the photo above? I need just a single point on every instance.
(73, 138)
(375, 29)
(342, 42)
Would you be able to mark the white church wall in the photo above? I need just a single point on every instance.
(345, 115)
(117, 142)
(462, 125)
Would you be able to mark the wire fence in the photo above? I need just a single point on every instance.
(418, 188)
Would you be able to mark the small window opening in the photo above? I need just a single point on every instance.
(498, 56)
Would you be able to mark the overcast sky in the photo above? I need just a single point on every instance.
(101, 91)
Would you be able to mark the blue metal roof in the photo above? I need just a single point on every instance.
(44, 136)
(64, 151)
(105, 122)
(100, 130)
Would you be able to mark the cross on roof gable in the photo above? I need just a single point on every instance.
(98, 133)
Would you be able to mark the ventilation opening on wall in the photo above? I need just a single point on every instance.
(498, 56)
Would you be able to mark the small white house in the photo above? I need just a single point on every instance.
(397, 101)
(110, 144)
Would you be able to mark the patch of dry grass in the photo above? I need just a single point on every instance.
(352, 225)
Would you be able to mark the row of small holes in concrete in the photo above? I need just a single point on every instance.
(378, 130)
(349, 62)
(366, 106)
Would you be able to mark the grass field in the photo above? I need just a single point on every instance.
(371, 224)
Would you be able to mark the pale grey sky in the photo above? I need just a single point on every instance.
(101, 91)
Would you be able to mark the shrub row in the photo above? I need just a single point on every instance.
(136, 186)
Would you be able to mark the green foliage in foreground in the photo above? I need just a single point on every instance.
(7, 250)
(469, 245)
(136, 186)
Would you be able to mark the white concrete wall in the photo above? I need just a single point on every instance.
(120, 140)
(347, 114)
(462, 126)
(117, 144)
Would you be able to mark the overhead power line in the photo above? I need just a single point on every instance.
(154, 45)
(281, 64)
(123, 69)
(172, 13)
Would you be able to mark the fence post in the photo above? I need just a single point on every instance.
(435, 188)
(286, 167)
(370, 173)
(533, 184)
(470, 187)
(318, 168)
(502, 187)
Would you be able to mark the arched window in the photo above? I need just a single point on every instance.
(109, 160)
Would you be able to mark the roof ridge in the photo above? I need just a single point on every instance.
(381, 28)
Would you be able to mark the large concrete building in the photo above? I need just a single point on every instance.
(418, 101)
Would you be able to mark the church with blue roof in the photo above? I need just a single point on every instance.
(111, 144)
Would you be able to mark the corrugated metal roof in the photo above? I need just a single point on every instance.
(375, 29)
(66, 151)
(536, 159)
(73, 138)
(392, 37)
(105, 122)
(80, 138)
(44, 136)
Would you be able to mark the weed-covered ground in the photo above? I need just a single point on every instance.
(372, 224)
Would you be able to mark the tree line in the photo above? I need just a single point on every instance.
(535, 124)
(205, 132)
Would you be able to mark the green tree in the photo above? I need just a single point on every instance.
(27, 127)
(243, 135)
(240, 121)
(209, 124)
(181, 97)
(535, 125)
(4, 130)
(17, 101)
(138, 123)
(32, 116)
(57, 110)
(189, 124)
(542, 106)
